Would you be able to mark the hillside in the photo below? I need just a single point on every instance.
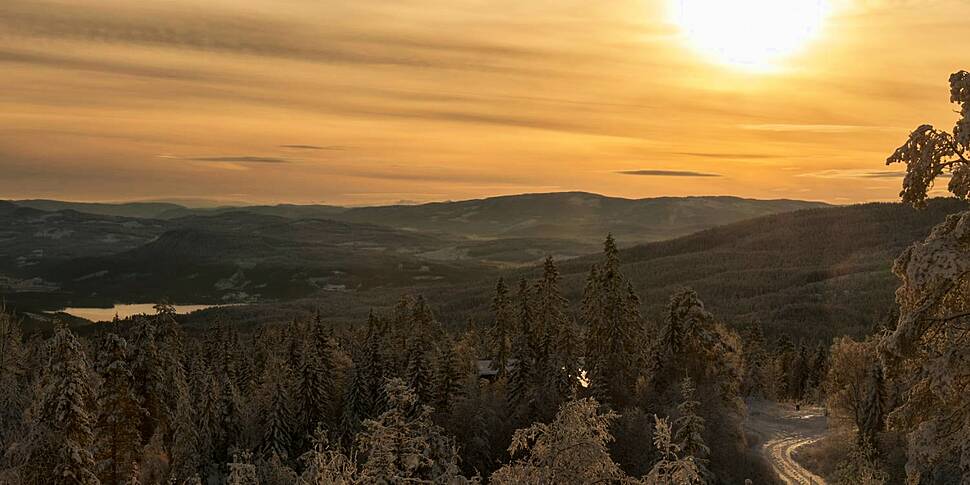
(577, 216)
(145, 210)
(574, 216)
(813, 273)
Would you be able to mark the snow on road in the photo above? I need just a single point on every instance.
(783, 430)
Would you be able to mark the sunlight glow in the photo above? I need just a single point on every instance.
(749, 34)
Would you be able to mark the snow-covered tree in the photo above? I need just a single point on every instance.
(931, 153)
(930, 347)
(570, 450)
(14, 395)
(421, 351)
(611, 312)
(689, 430)
(275, 414)
(119, 414)
(503, 329)
(561, 337)
(673, 468)
(62, 417)
(402, 445)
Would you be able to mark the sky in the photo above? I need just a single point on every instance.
(376, 101)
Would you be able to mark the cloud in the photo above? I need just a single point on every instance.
(727, 155)
(668, 173)
(240, 159)
(812, 128)
(314, 147)
(853, 173)
(239, 33)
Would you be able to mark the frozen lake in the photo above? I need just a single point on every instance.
(124, 310)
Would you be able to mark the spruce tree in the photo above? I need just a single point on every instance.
(448, 376)
(502, 329)
(421, 351)
(149, 377)
(798, 373)
(874, 405)
(229, 421)
(611, 310)
(14, 390)
(119, 414)
(522, 380)
(275, 414)
(63, 417)
(561, 344)
(689, 434)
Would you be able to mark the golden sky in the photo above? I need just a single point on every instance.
(376, 101)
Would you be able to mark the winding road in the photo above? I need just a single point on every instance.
(783, 430)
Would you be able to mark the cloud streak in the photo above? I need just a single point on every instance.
(812, 128)
(667, 173)
(315, 147)
(240, 159)
(728, 155)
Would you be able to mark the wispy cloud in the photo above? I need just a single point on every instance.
(240, 159)
(812, 128)
(667, 173)
(314, 147)
(728, 155)
(854, 174)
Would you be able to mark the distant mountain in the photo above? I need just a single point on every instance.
(284, 252)
(147, 210)
(813, 273)
(289, 211)
(29, 237)
(577, 216)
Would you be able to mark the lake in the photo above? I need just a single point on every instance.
(126, 310)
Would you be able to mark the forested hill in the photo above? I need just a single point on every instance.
(581, 217)
(813, 273)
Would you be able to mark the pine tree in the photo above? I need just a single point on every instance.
(203, 413)
(818, 367)
(62, 416)
(756, 361)
(611, 311)
(357, 403)
(375, 365)
(403, 445)
(229, 421)
(561, 340)
(315, 388)
(798, 373)
(874, 405)
(421, 351)
(189, 452)
(150, 382)
(119, 414)
(522, 381)
(448, 376)
(784, 353)
(689, 434)
(14, 391)
(502, 329)
(275, 413)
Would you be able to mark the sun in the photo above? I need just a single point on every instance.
(749, 34)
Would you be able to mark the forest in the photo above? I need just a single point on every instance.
(543, 391)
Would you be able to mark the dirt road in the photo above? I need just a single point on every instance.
(783, 430)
